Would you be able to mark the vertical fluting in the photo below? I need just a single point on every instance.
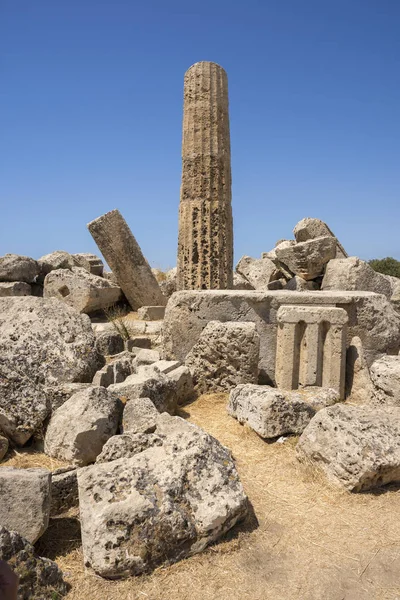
(205, 245)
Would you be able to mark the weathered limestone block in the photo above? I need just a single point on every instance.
(307, 259)
(3, 446)
(127, 445)
(259, 272)
(140, 416)
(270, 412)
(54, 261)
(357, 446)
(148, 383)
(122, 252)
(183, 380)
(166, 281)
(25, 501)
(311, 348)
(14, 267)
(14, 288)
(64, 391)
(39, 578)
(355, 274)
(225, 355)
(205, 246)
(146, 357)
(151, 313)
(79, 429)
(109, 343)
(359, 387)
(166, 366)
(385, 375)
(90, 262)
(64, 490)
(309, 229)
(85, 292)
(43, 344)
(282, 244)
(241, 283)
(138, 342)
(371, 318)
(163, 504)
(115, 371)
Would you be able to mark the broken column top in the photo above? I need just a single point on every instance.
(123, 254)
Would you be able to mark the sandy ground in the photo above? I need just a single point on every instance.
(304, 538)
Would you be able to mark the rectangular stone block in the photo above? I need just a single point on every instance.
(123, 254)
(371, 317)
(151, 313)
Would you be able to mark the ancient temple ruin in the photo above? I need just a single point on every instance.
(205, 245)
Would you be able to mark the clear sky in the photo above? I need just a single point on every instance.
(91, 113)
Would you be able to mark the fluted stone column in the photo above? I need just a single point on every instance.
(205, 245)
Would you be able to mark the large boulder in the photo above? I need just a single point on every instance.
(355, 274)
(357, 446)
(272, 412)
(309, 229)
(385, 375)
(241, 283)
(167, 502)
(258, 271)
(307, 259)
(54, 261)
(225, 355)
(148, 382)
(14, 267)
(39, 578)
(64, 490)
(140, 416)
(79, 429)
(43, 343)
(83, 291)
(25, 501)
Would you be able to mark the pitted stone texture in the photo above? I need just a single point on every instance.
(64, 490)
(311, 347)
(161, 505)
(140, 416)
(39, 578)
(64, 391)
(357, 446)
(259, 272)
(359, 387)
(355, 274)
(271, 412)
(371, 317)
(183, 380)
(225, 355)
(25, 501)
(3, 446)
(115, 371)
(151, 313)
(309, 229)
(385, 375)
(14, 267)
(241, 283)
(205, 246)
(90, 262)
(149, 383)
(122, 252)
(109, 343)
(83, 291)
(54, 261)
(14, 288)
(79, 429)
(127, 445)
(43, 344)
(307, 259)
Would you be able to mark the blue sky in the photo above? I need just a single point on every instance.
(91, 113)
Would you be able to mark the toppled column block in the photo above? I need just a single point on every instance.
(205, 245)
(311, 347)
(123, 254)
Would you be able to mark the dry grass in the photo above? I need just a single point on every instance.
(27, 458)
(304, 540)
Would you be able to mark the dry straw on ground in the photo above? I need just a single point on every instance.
(304, 539)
